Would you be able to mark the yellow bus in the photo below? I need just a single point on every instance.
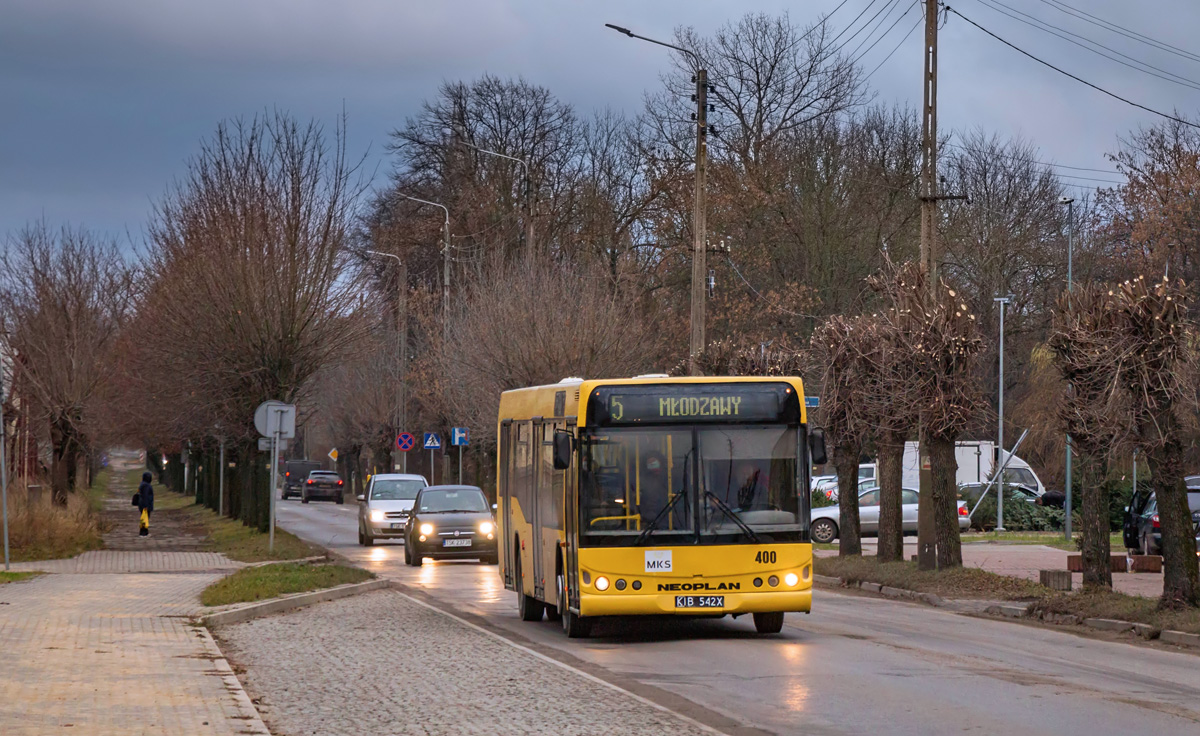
(656, 495)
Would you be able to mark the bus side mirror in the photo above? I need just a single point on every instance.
(562, 450)
(816, 446)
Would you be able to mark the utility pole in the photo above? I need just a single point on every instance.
(1003, 302)
(3, 468)
(926, 530)
(699, 222)
(699, 218)
(1070, 203)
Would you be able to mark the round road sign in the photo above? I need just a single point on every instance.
(405, 441)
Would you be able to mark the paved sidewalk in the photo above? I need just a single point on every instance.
(389, 665)
(104, 645)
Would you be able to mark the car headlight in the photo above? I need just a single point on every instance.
(427, 529)
(376, 516)
(486, 527)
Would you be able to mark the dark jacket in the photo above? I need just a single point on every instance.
(145, 494)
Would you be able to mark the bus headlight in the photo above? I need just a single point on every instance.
(376, 516)
(791, 579)
(601, 583)
(486, 527)
(427, 529)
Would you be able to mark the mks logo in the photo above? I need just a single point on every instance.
(658, 560)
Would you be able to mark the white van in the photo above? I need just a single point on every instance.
(976, 461)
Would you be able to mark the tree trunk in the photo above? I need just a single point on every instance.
(845, 459)
(1178, 543)
(59, 439)
(944, 470)
(1094, 545)
(891, 479)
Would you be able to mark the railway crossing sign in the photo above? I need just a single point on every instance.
(432, 441)
(459, 436)
(405, 441)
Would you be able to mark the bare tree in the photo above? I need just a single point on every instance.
(64, 298)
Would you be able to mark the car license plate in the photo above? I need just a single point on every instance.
(456, 543)
(397, 526)
(699, 601)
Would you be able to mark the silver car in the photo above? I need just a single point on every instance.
(383, 510)
(826, 521)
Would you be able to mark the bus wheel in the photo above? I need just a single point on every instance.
(530, 608)
(768, 623)
(574, 626)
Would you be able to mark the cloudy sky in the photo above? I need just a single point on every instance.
(104, 100)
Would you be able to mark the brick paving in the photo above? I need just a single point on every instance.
(387, 665)
(105, 645)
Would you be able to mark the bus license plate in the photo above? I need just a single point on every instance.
(456, 543)
(699, 601)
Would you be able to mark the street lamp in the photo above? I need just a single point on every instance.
(445, 263)
(1070, 203)
(402, 350)
(529, 250)
(1003, 301)
(699, 222)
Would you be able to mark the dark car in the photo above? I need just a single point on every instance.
(295, 472)
(322, 484)
(450, 522)
(1141, 531)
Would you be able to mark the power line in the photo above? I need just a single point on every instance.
(851, 23)
(1054, 30)
(894, 50)
(1072, 76)
(885, 33)
(882, 20)
(1111, 27)
(758, 294)
(1041, 163)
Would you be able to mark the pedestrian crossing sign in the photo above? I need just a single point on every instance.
(432, 441)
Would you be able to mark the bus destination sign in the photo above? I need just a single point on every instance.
(674, 404)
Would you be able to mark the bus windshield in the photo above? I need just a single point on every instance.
(688, 485)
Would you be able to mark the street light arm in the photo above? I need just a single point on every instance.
(631, 34)
(425, 201)
(524, 165)
(389, 255)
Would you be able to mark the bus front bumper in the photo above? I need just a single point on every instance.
(630, 603)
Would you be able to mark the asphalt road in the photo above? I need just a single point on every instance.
(856, 665)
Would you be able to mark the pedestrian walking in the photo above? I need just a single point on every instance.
(145, 504)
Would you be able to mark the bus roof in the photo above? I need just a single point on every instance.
(543, 401)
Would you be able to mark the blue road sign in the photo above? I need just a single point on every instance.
(459, 436)
(432, 441)
(405, 441)
(812, 402)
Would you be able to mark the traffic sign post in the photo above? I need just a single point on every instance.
(459, 437)
(405, 441)
(432, 442)
(276, 420)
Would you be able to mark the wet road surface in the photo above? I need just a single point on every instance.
(856, 665)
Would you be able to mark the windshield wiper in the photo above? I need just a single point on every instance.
(732, 516)
(654, 522)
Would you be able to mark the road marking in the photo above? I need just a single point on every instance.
(565, 666)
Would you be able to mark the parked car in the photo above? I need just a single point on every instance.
(384, 508)
(830, 487)
(322, 484)
(1141, 531)
(971, 492)
(826, 522)
(449, 522)
(295, 472)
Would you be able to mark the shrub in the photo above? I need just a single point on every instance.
(820, 500)
(44, 531)
(1019, 515)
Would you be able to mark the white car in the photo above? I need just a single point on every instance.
(383, 510)
(826, 521)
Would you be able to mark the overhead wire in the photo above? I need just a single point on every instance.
(897, 48)
(885, 34)
(1065, 73)
(882, 21)
(1057, 31)
(1113, 28)
(759, 294)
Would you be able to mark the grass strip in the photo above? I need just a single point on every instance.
(13, 577)
(959, 582)
(1049, 539)
(1112, 605)
(271, 581)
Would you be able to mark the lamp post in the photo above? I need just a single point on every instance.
(1003, 302)
(445, 263)
(1070, 203)
(529, 249)
(699, 221)
(402, 350)
(3, 467)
